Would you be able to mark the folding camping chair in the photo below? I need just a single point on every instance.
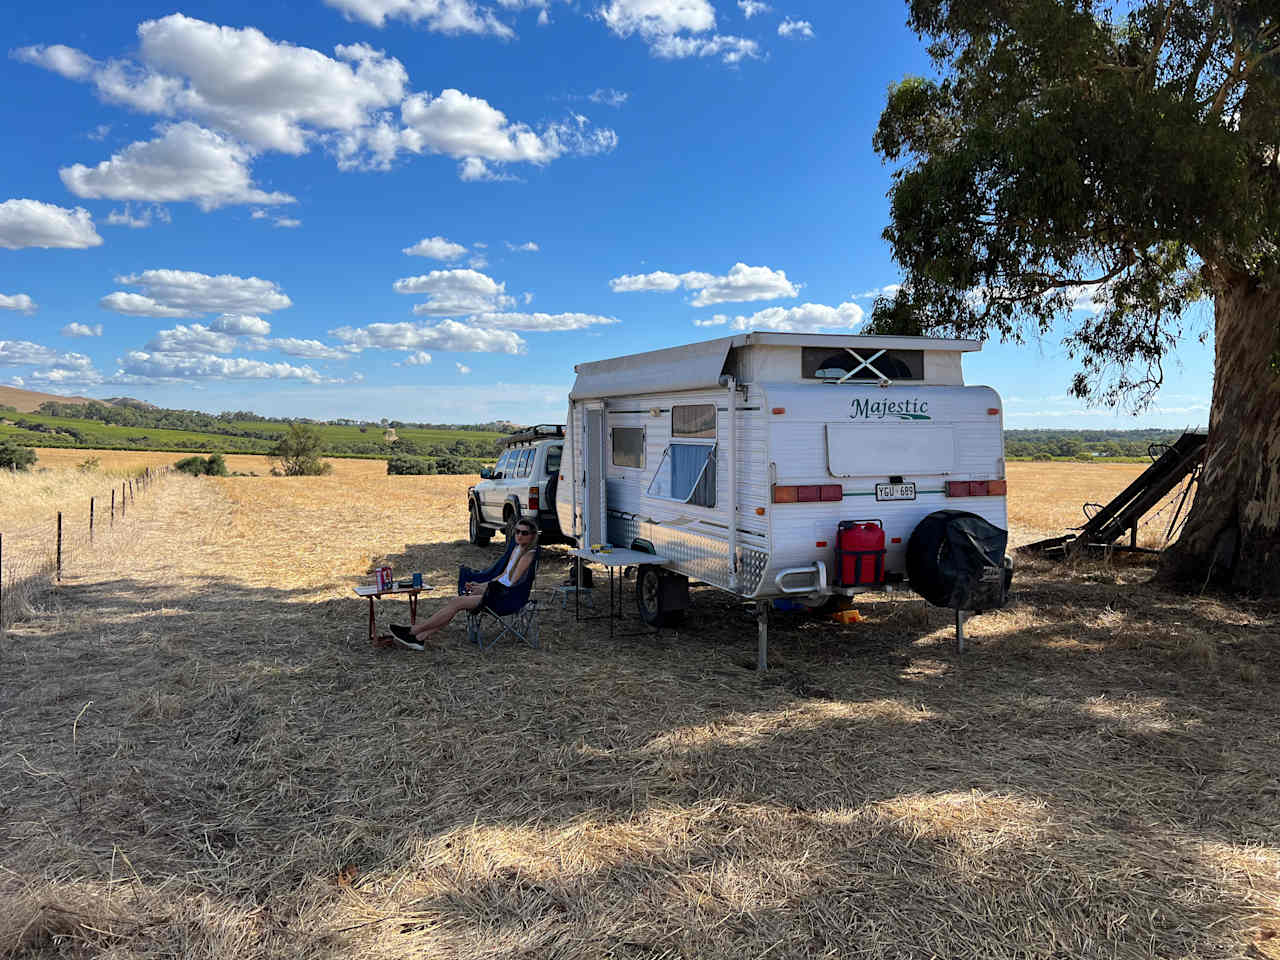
(514, 613)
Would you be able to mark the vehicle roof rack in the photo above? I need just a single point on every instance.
(542, 431)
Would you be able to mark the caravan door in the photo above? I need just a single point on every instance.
(596, 529)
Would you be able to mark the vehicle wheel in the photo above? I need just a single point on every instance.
(649, 599)
(509, 524)
(477, 534)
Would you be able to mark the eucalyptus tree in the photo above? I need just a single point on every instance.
(1122, 156)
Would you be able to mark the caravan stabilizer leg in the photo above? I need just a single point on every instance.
(961, 616)
(762, 644)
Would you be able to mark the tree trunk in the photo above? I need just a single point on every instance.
(1232, 535)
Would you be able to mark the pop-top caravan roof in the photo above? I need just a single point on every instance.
(697, 366)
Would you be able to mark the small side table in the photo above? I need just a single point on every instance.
(373, 593)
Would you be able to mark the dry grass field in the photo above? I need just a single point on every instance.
(202, 756)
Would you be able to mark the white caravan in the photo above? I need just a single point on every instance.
(735, 460)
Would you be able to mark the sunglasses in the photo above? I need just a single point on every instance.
(524, 530)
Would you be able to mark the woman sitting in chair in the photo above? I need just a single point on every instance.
(473, 594)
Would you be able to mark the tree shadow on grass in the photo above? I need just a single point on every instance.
(236, 745)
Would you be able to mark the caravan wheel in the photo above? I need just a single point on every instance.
(650, 600)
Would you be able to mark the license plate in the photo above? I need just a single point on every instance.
(895, 491)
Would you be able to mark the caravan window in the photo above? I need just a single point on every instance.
(628, 446)
(697, 420)
(687, 473)
(823, 363)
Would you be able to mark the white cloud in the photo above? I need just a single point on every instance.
(527, 297)
(609, 97)
(30, 223)
(55, 366)
(462, 368)
(195, 338)
(888, 290)
(419, 359)
(651, 18)
(186, 163)
(184, 293)
(62, 60)
(18, 301)
(99, 132)
(806, 318)
(288, 222)
(82, 330)
(440, 16)
(742, 283)
(729, 49)
(137, 305)
(750, 8)
(446, 335)
(475, 170)
(127, 218)
(797, 28)
(294, 347)
(453, 293)
(436, 248)
(480, 245)
(470, 129)
(529, 247)
(540, 321)
(260, 215)
(478, 262)
(272, 95)
(718, 320)
(675, 29)
(240, 324)
(260, 94)
(139, 366)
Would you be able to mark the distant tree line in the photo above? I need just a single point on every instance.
(1083, 444)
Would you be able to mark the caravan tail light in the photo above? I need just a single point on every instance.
(809, 493)
(977, 488)
(533, 498)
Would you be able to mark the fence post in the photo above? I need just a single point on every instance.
(122, 500)
(113, 506)
(1, 584)
(91, 520)
(59, 546)
(131, 490)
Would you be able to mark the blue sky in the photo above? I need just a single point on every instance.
(431, 209)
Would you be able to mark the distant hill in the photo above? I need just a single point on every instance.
(27, 401)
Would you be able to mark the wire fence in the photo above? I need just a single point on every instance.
(36, 557)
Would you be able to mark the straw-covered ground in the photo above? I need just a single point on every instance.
(202, 756)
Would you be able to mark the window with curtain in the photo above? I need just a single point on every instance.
(687, 473)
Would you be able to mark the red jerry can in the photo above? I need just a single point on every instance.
(859, 553)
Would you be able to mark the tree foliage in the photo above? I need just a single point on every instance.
(14, 457)
(1121, 156)
(298, 451)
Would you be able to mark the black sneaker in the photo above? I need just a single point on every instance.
(404, 638)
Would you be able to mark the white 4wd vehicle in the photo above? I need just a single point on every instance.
(521, 484)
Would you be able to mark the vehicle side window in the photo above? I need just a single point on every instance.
(501, 465)
(526, 461)
(553, 460)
